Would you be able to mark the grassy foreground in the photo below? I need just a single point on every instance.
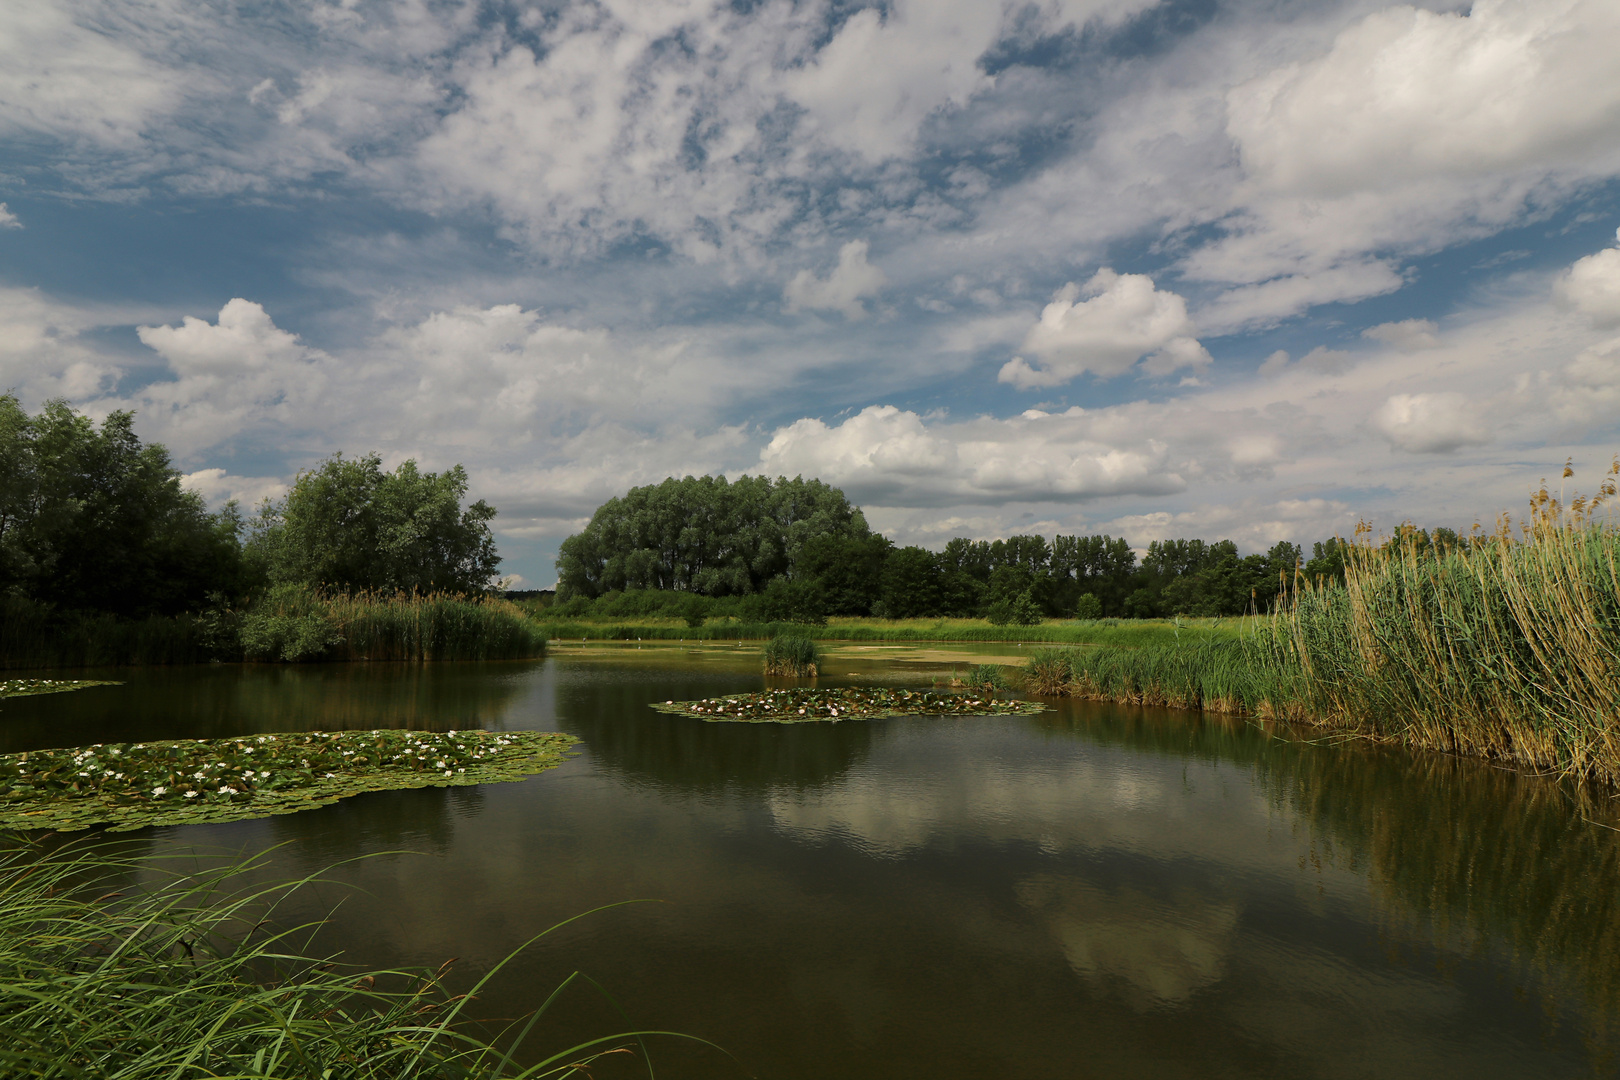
(1508, 649)
(190, 978)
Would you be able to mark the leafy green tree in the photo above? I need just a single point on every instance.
(912, 584)
(847, 570)
(704, 534)
(92, 519)
(348, 525)
(1088, 607)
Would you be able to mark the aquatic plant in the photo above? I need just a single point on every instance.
(294, 623)
(189, 781)
(1506, 647)
(1049, 671)
(792, 654)
(191, 977)
(985, 678)
(803, 704)
(31, 687)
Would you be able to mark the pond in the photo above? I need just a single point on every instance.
(1094, 891)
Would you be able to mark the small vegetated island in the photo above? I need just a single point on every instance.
(129, 786)
(797, 705)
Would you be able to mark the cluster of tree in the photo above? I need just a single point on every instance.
(92, 520)
(803, 552)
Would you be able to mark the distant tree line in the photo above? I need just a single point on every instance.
(93, 520)
(797, 549)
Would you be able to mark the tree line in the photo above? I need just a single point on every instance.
(94, 520)
(797, 549)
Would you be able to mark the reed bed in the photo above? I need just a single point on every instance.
(34, 635)
(301, 624)
(189, 977)
(792, 654)
(1507, 648)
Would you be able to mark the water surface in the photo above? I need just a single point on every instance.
(1097, 891)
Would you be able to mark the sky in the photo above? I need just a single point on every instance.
(1245, 269)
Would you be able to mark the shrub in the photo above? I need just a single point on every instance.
(1020, 610)
(1088, 607)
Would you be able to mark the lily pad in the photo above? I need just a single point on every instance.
(30, 687)
(189, 781)
(798, 705)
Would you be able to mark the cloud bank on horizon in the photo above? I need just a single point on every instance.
(1215, 268)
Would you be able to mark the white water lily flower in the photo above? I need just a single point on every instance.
(159, 790)
(191, 794)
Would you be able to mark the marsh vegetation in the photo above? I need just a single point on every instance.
(1507, 647)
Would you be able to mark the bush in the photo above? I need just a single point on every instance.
(1020, 610)
(290, 624)
(1089, 607)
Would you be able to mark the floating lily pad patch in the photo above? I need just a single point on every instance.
(802, 704)
(29, 687)
(190, 781)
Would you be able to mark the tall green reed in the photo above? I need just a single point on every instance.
(1506, 647)
(189, 976)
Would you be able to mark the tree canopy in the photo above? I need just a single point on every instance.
(350, 526)
(704, 535)
(92, 519)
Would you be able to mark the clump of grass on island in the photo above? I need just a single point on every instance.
(134, 785)
(803, 704)
(1506, 648)
(792, 654)
(191, 977)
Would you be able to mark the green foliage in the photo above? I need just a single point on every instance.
(986, 678)
(291, 624)
(1088, 607)
(92, 520)
(1049, 671)
(847, 571)
(136, 785)
(1016, 609)
(348, 526)
(36, 635)
(695, 610)
(192, 977)
(703, 534)
(802, 705)
(785, 601)
(792, 654)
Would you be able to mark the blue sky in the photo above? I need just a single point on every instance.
(1157, 268)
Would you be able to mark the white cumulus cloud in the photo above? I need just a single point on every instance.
(1124, 318)
(1592, 287)
(1430, 423)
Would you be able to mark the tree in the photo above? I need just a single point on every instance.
(92, 519)
(348, 525)
(704, 534)
(912, 584)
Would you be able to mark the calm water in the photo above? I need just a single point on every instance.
(1098, 891)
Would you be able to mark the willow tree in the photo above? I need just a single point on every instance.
(704, 534)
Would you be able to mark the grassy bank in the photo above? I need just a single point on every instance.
(1507, 649)
(190, 977)
(1131, 633)
(288, 625)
